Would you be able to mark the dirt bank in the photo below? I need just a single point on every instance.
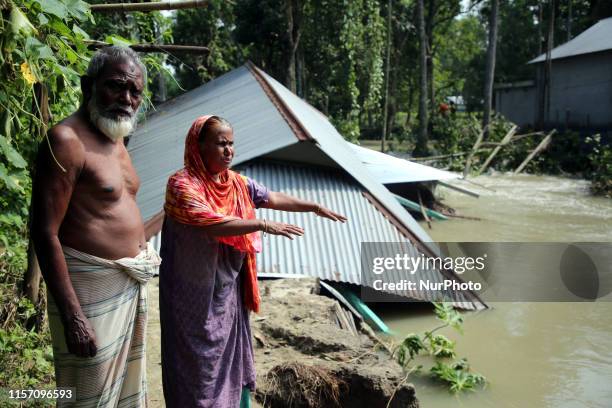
(303, 358)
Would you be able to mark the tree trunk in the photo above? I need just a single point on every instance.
(429, 33)
(569, 20)
(32, 277)
(490, 68)
(299, 67)
(540, 21)
(408, 121)
(293, 16)
(540, 75)
(385, 115)
(161, 93)
(549, 46)
(421, 142)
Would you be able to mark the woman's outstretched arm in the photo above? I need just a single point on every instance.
(242, 227)
(284, 202)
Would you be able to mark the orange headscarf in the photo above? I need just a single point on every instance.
(193, 197)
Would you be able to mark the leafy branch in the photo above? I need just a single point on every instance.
(457, 375)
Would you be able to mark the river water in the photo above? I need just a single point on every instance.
(533, 354)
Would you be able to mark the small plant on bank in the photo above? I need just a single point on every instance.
(600, 158)
(456, 374)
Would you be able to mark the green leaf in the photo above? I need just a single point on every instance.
(78, 9)
(42, 19)
(71, 55)
(447, 314)
(441, 346)
(413, 344)
(12, 182)
(67, 71)
(11, 219)
(61, 28)
(118, 40)
(54, 7)
(11, 154)
(79, 32)
(6, 124)
(37, 50)
(20, 23)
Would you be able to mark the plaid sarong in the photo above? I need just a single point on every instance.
(113, 296)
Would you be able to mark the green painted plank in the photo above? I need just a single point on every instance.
(416, 207)
(368, 314)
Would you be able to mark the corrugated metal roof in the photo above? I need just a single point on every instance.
(157, 145)
(328, 250)
(334, 145)
(597, 38)
(260, 127)
(389, 169)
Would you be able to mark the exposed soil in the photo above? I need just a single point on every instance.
(303, 358)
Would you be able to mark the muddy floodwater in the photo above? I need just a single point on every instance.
(533, 354)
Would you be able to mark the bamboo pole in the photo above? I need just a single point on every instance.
(191, 49)
(443, 156)
(160, 5)
(543, 145)
(514, 139)
(519, 137)
(468, 161)
(504, 142)
(460, 189)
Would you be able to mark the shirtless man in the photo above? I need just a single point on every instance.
(85, 218)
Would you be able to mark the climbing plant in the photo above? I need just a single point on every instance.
(42, 52)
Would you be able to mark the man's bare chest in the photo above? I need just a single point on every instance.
(107, 175)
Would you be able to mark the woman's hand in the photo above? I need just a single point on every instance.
(279, 228)
(327, 213)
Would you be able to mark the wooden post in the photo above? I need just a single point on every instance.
(504, 142)
(161, 5)
(423, 212)
(192, 49)
(543, 145)
(468, 161)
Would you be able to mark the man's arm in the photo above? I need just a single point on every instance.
(284, 202)
(51, 194)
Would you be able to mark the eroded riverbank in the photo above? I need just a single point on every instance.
(303, 358)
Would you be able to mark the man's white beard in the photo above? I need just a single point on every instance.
(114, 129)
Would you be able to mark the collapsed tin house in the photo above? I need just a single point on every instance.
(287, 145)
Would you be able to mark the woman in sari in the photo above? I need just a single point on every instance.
(208, 282)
